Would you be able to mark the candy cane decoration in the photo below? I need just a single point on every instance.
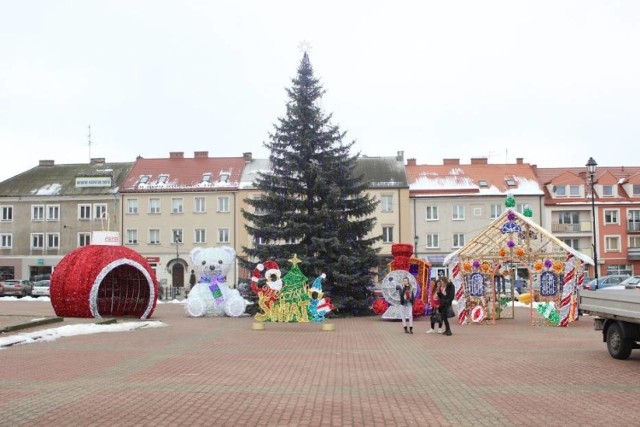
(567, 290)
(457, 281)
(271, 289)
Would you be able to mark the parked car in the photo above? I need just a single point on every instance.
(632, 282)
(605, 282)
(19, 288)
(40, 288)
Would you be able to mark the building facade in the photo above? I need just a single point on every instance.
(50, 210)
(452, 202)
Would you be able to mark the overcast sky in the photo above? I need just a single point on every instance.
(553, 82)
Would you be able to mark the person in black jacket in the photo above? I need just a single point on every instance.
(406, 303)
(446, 292)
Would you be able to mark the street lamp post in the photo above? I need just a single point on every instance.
(591, 168)
(415, 246)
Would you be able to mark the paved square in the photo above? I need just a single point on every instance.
(368, 372)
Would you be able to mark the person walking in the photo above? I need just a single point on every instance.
(446, 293)
(406, 303)
(434, 301)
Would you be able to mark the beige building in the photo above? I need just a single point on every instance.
(172, 205)
(453, 202)
(386, 182)
(50, 210)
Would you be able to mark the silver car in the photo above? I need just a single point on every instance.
(40, 288)
(18, 288)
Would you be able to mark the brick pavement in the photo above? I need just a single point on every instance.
(219, 371)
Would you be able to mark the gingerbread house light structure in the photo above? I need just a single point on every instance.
(555, 272)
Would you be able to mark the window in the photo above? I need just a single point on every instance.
(431, 213)
(223, 235)
(574, 191)
(496, 211)
(200, 235)
(520, 207)
(132, 236)
(200, 205)
(611, 216)
(53, 240)
(162, 179)
(612, 243)
(458, 240)
(432, 241)
(619, 269)
(7, 213)
(387, 234)
(176, 236)
(258, 241)
(84, 239)
(37, 241)
(53, 212)
(560, 190)
(6, 241)
(483, 183)
(100, 211)
(144, 179)
(387, 203)
(636, 189)
(37, 213)
(176, 205)
(132, 206)
(154, 236)
(633, 218)
(607, 191)
(510, 182)
(223, 204)
(572, 243)
(634, 242)
(154, 206)
(84, 212)
(458, 212)
(568, 217)
(206, 177)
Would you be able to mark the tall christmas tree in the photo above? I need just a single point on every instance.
(311, 202)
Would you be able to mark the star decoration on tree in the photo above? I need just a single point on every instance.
(304, 46)
(295, 260)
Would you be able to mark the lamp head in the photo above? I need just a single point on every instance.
(591, 166)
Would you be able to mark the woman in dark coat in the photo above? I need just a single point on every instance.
(446, 292)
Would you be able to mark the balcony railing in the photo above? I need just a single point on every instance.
(633, 226)
(581, 227)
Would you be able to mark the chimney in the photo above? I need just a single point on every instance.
(46, 163)
(97, 161)
(400, 156)
(200, 154)
(451, 161)
(176, 155)
(479, 160)
(248, 157)
(411, 162)
(519, 160)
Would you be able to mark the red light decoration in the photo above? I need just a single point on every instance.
(103, 281)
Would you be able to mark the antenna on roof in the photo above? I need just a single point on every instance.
(89, 136)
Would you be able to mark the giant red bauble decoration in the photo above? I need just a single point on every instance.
(103, 281)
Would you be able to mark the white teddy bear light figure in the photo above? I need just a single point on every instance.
(211, 296)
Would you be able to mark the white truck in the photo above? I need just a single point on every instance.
(617, 314)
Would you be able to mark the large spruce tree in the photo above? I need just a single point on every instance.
(311, 204)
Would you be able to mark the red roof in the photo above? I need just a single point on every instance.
(185, 174)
